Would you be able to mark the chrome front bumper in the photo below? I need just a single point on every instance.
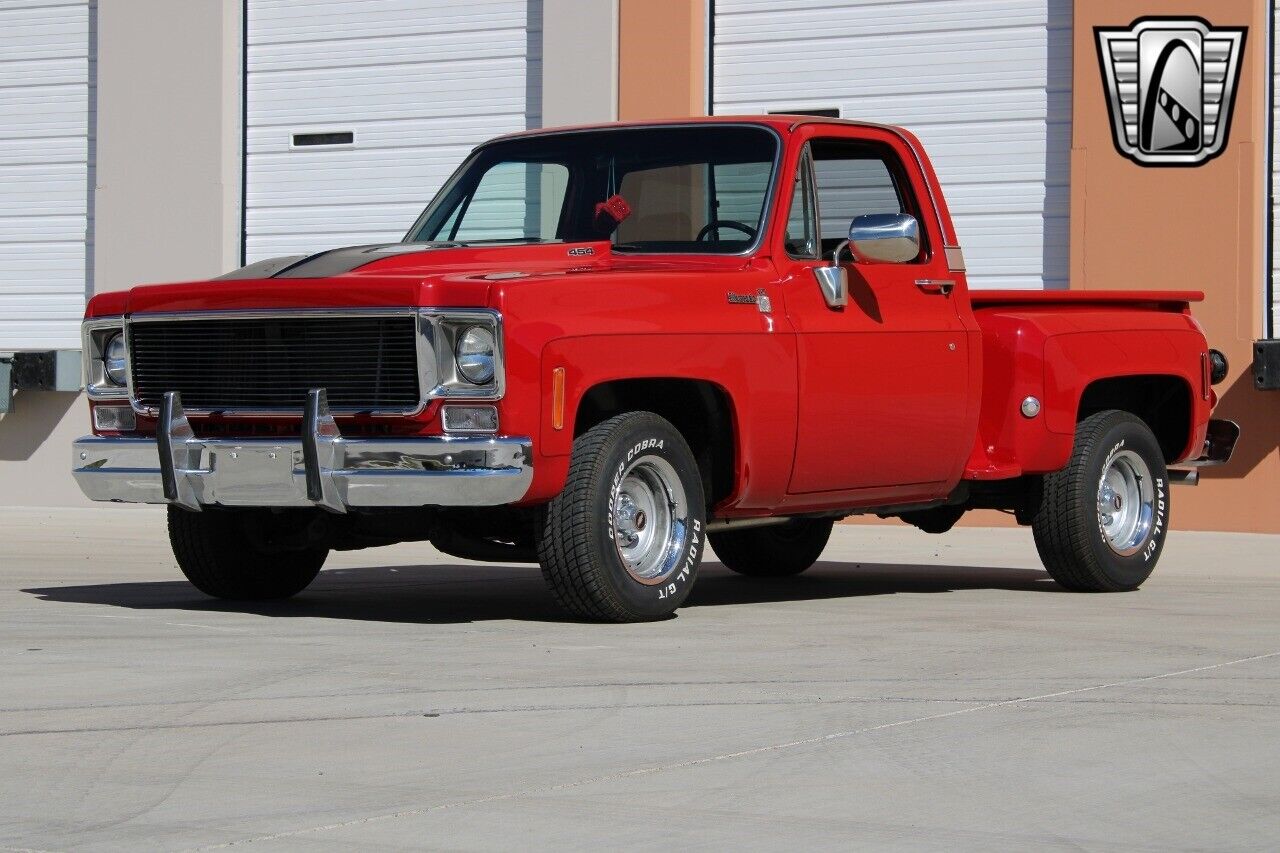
(320, 469)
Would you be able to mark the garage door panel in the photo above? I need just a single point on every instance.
(278, 245)
(403, 175)
(1273, 328)
(291, 21)
(68, 149)
(418, 82)
(876, 17)
(455, 134)
(342, 94)
(58, 112)
(49, 227)
(51, 72)
(829, 66)
(40, 34)
(1014, 243)
(970, 77)
(317, 219)
(401, 50)
(914, 111)
(39, 306)
(415, 189)
(45, 172)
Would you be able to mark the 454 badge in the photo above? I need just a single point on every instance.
(1170, 85)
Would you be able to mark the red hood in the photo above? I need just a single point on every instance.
(361, 277)
(393, 275)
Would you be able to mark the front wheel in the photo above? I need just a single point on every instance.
(1102, 520)
(623, 540)
(227, 554)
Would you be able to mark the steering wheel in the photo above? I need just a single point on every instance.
(717, 224)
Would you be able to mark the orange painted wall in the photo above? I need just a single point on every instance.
(1199, 228)
(662, 49)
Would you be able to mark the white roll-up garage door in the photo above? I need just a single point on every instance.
(358, 110)
(46, 172)
(1273, 329)
(985, 84)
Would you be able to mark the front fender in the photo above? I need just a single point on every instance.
(756, 373)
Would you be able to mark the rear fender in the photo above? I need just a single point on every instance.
(1055, 355)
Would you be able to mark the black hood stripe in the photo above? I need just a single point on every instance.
(328, 263)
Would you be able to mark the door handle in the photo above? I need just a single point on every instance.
(936, 285)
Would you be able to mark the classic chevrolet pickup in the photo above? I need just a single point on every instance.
(602, 348)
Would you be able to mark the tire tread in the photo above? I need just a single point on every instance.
(219, 561)
(570, 566)
(1062, 532)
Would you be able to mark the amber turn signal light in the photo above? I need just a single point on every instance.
(557, 398)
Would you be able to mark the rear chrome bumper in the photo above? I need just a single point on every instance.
(1219, 443)
(319, 469)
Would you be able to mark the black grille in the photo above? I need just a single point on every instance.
(363, 362)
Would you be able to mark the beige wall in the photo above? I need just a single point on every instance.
(579, 62)
(168, 195)
(1199, 228)
(167, 202)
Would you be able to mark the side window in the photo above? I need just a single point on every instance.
(513, 201)
(802, 233)
(855, 179)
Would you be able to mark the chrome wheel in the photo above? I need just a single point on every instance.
(650, 515)
(1126, 503)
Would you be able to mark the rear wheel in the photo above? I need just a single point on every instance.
(775, 551)
(1102, 520)
(223, 555)
(623, 540)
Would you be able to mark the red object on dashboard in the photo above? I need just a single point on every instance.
(611, 213)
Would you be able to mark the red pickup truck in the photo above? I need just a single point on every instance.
(602, 348)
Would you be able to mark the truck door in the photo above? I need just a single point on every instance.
(884, 381)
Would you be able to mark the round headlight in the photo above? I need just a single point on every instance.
(475, 355)
(114, 362)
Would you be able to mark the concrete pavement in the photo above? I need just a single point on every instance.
(909, 692)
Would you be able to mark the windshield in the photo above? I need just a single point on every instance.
(658, 189)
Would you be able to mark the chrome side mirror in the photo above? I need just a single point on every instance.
(886, 238)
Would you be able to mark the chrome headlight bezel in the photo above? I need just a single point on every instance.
(441, 331)
(476, 355)
(96, 335)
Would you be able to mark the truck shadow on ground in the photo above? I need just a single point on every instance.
(472, 593)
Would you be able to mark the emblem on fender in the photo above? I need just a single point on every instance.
(760, 299)
(1171, 86)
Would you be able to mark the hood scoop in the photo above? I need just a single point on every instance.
(328, 263)
(491, 261)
